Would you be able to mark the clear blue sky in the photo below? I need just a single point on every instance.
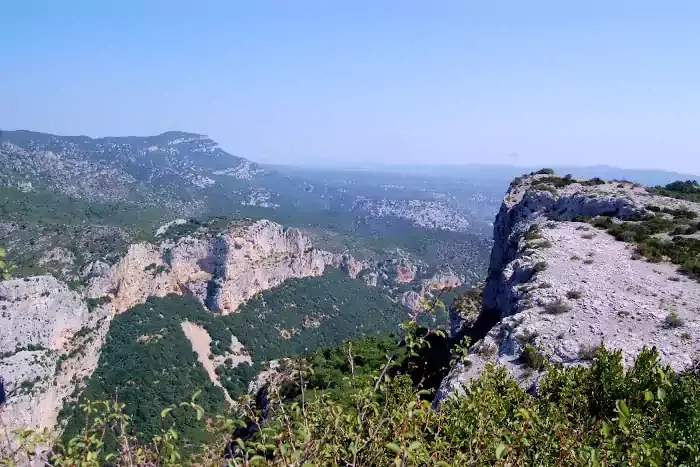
(614, 82)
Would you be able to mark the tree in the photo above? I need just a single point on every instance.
(5, 269)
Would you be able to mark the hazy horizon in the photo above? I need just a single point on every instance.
(393, 83)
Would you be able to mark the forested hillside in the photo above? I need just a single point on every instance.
(136, 181)
(148, 363)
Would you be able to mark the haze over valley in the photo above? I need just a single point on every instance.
(358, 234)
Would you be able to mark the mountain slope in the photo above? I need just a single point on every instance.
(577, 263)
(172, 170)
(179, 174)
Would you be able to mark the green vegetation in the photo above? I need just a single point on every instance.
(574, 294)
(76, 231)
(331, 366)
(680, 213)
(557, 307)
(588, 352)
(684, 251)
(545, 171)
(533, 358)
(27, 348)
(533, 233)
(543, 244)
(93, 303)
(558, 182)
(688, 190)
(52, 208)
(149, 363)
(5, 269)
(672, 320)
(316, 312)
(212, 225)
(582, 416)
(594, 181)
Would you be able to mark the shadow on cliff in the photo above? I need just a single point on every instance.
(215, 264)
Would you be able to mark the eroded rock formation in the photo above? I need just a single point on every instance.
(563, 287)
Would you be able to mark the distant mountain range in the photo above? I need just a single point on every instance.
(174, 170)
(650, 177)
(155, 179)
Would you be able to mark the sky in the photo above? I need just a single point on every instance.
(351, 82)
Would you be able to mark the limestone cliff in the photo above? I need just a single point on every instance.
(560, 287)
(51, 335)
(49, 342)
(223, 270)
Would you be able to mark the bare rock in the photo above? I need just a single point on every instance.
(223, 271)
(49, 341)
(576, 287)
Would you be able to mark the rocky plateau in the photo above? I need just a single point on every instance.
(561, 287)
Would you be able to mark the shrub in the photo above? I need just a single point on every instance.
(533, 233)
(575, 258)
(602, 222)
(93, 303)
(540, 266)
(626, 236)
(594, 181)
(557, 307)
(673, 320)
(543, 244)
(574, 294)
(533, 358)
(588, 261)
(558, 182)
(588, 352)
(688, 190)
(545, 171)
(581, 416)
(488, 350)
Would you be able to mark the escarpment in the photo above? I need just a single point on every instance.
(577, 263)
(222, 271)
(51, 334)
(50, 340)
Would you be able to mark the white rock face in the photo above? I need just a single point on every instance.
(164, 228)
(49, 341)
(430, 214)
(44, 324)
(604, 294)
(223, 271)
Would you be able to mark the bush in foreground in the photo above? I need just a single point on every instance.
(598, 416)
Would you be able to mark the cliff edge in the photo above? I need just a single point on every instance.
(577, 263)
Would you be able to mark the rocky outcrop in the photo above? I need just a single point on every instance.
(51, 336)
(223, 270)
(422, 213)
(562, 287)
(49, 341)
